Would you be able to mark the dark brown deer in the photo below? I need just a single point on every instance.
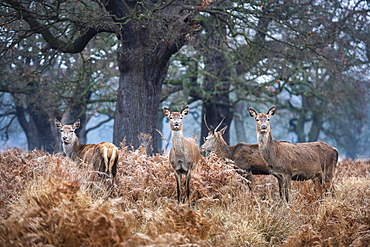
(184, 154)
(247, 157)
(294, 161)
(102, 156)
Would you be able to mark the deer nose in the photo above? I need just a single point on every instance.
(176, 124)
(263, 127)
(64, 138)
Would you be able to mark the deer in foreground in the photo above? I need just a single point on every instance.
(294, 161)
(102, 156)
(184, 154)
(246, 157)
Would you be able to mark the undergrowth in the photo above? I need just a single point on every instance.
(47, 200)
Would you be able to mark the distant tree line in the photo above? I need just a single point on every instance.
(59, 60)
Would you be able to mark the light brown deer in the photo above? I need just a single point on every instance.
(184, 154)
(247, 157)
(294, 161)
(102, 156)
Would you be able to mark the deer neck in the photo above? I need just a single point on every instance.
(70, 149)
(222, 149)
(178, 141)
(266, 145)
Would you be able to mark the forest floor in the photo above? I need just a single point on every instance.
(47, 200)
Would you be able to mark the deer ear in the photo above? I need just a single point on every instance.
(252, 112)
(185, 111)
(272, 111)
(166, 111)
(76, 125)
(58, 124)
(222, 131)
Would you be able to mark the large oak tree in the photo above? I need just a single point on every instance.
(149, 33)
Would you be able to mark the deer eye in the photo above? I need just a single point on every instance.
(257, 119)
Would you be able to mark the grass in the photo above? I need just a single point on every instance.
(46, 200)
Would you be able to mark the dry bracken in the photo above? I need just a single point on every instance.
(47, 200)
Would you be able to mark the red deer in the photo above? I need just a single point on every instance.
(247, 157)
(184, 154)
(102, 156)
(294, 161)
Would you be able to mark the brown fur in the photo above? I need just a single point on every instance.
(297, 161)
(184, 154)
(246, 157)
(102, 156)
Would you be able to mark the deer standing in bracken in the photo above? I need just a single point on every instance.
(102, 156)
(246, 157)
(294, 161)
(184, 154)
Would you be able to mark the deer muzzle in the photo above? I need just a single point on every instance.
(65, 139)
(263, 127)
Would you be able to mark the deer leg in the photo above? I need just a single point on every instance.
(284, 186)
(187, 184)
(105, 157)
(319, 183)
(281, 182)
(249, 176)
(112, 162)
(288, 185)
(114, 169)
(329, 183)
(178, 182)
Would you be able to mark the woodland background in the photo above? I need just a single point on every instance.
(115, 64)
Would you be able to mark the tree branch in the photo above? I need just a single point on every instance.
(79, 43)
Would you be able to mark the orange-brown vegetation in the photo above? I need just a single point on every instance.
(47, 200)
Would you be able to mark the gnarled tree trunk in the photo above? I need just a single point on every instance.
(147, 46)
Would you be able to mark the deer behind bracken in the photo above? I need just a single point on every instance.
(247, 157)
(184, 154)
(102, 156)
(294, 161)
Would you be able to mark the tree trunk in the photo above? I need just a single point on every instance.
(317, 122)
(35, 120)
(299, 127)
(239, 108)
(38, 130)
(140, 85)
(143, 63)
(216, 82)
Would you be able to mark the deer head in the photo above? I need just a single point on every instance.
(176, 118)
(262, 119)
(213, 138)
(67, 131)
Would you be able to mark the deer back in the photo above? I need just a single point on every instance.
(301, 160)
(248, 157)
(90, 154)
